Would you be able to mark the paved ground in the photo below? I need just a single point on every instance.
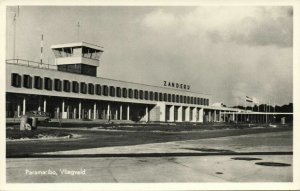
(109, 138)
(147, 169)
(214, 160)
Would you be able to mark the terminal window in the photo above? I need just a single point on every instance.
(124, 92)
(83, 87)
(169, 97)
(57, 85)
(48, 84)
(130, 93)
(136, 94)
(141, 93)
(156, 96)
(27, 83)
(67, 85)
(75, 87)
(112, 91)
(105, 90)
(146, 95)
(160, 96)
(16, 80)
(98, 89)
(151, 96)
(38, 82)
(119, 92)
(177, 98)
(91, 89)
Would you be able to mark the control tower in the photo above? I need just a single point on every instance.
(80, 58)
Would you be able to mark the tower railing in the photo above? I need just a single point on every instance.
(31, 64)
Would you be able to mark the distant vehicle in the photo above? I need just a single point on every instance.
(40, 115)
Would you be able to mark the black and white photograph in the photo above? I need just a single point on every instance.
(165, 94)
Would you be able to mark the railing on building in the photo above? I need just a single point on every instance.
(31, 63)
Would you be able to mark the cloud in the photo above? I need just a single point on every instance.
(254, 26)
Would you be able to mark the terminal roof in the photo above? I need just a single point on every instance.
(77, 44)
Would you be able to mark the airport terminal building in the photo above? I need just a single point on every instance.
(70, 89)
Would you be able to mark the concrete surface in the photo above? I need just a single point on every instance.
(217, 166)
(149, 169)
(264, 142)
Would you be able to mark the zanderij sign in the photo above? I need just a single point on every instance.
(177, 85)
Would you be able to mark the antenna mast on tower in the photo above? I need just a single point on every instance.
(78, 26)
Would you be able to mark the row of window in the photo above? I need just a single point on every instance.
(38, 82)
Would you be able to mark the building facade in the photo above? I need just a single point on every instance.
(70, 89)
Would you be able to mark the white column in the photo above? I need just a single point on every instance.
(63, 110)
(45, 105)
(209, 116)
(24, 106)
(171, 113)
(95, 112)
(74, 113)
(187, 114)
(147, 114)
(57, 111)
(128, 112)
(194, 117)
(39, 108)
(162, 107)
(63, 107)
(201, 115)
(116, 116)
(220, 116)
(79, 110)
(121, 112)
(19, 110)
(215, 116)
(90, 113)
(68, 112)
(108, 112)
(179, 114)
(233, 117)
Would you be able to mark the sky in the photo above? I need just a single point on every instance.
(229, 52)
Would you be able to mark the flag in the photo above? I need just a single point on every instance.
(249, 99)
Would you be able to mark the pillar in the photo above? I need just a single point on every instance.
(194, 116)
(209, 116)
(220, 116)
(39, 108)
(128, 112)
(95, 112)
(24, 106)
(57, 111)
(187, 114)
(74, 113)
(108, 112)
(179, 114)
(121, 112)
(215, 116)
(147, 114)
(45, 105)
(162, 107)
(116, 114)
(90, 114)
(19, 110)
(63, 110)
(79, 110)
(201, 115)
(68, 112)
(172, 117)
